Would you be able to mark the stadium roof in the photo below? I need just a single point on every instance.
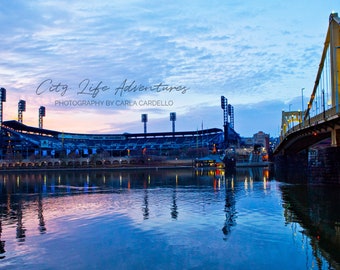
(17, 126)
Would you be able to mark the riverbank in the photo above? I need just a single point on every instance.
(125, 163)
(129, 168)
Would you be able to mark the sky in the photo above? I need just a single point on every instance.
(96, 66)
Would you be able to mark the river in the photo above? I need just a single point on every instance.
(166, 219)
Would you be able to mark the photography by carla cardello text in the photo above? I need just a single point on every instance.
(112, 103)
(89, 94)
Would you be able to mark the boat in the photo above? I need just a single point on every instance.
(210, 161)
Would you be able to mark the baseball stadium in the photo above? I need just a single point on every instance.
(24, 146)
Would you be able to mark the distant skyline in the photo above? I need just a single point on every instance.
(98, 65)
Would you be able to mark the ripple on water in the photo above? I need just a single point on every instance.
(160, 228)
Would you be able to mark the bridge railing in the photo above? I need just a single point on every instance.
(313, 121)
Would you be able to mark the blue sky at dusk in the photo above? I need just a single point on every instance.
(76, 58)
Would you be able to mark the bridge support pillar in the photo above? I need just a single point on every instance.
(292, 168)
(335, 136)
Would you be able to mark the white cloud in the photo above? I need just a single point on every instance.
(249, 52)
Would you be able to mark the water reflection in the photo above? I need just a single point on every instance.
(316, 209)
(2, 243)
(229, 207)
(146, 205)
(174, 212)
(20, 225)
(193, 200)
(20, 190)
(42, 227)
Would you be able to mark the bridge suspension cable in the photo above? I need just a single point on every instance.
(322, 115)
(328, 89)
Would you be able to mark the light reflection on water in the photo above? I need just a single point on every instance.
(165, 219)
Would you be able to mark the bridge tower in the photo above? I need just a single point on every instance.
(333, 37)
(331, 50)
(288, 120)
(331, 54)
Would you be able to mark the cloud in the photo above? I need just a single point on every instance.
(250, 52)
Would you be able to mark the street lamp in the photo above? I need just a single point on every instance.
(289, 117)
(336, 82)
(302, 109)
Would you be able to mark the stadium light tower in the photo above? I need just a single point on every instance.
(144, 120)
(2, 99)
(173, 120)
(224, 106)
(231, 115)
(42, 113)
(21, 108)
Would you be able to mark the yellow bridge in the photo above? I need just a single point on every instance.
(319, 121)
